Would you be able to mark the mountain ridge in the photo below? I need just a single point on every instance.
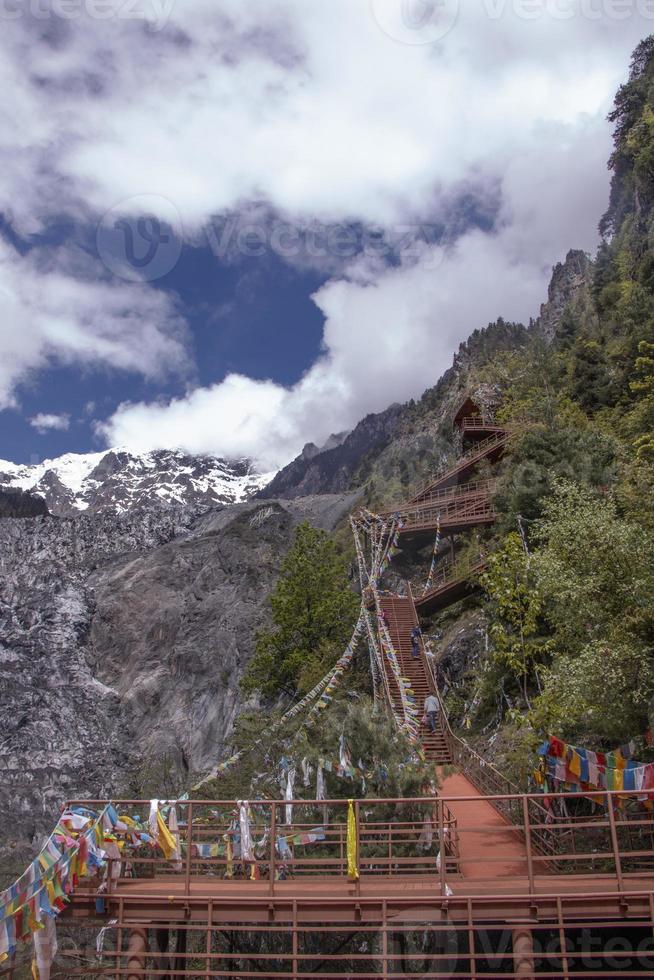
(120, 480)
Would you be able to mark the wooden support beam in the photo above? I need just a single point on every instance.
(523, 951)
(137, 954)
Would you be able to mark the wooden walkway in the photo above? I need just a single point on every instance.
(483, 831)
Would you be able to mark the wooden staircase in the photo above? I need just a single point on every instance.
(452, 581)
(491, 448)
(453, 511)
(402, 618)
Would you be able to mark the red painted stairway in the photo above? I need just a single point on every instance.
(402, 618)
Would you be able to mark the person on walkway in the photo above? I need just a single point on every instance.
(432, 708)
(416, 633)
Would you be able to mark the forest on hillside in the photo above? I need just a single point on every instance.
(567, 598)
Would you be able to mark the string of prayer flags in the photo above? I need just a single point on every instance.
(434, 557)
(324, 688)
(582, 769)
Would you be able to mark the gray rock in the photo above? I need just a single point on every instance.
(123, 640)
(569, 290)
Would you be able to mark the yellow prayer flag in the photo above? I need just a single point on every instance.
(352, 869)
(165, 839)
(575, 763)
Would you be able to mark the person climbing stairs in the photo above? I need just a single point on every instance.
(402, 619)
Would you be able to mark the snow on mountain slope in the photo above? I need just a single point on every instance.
(119, 480)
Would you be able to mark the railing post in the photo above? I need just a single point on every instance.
(530, 856)
(614, 841)
(189, 844)
(357, 819)
(273, 846)
(440, 811)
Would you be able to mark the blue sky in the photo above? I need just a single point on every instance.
(253, 316)
(234, 228)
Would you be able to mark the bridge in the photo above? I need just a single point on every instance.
(477, 881)
(473, 879)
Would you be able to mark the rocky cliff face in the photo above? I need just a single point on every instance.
(119, 480)
(16, 503)
(332, 469)
(568, 293)
(122, 644)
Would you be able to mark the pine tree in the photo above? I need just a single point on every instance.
(313, 612)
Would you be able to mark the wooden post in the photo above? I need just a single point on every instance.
(273, 844)
(440, 810)
(530, 855)
(614, 841)
(357, 817)
(137, 953)
(523, 952)
(189, 843)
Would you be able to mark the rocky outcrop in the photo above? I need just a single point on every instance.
(333, 470)
(16, 503)
(122, 643)
(568, 293)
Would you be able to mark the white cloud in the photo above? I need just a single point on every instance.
(390, 332)
(310, 106)
(312, 109)
(43, 423)
(50, 316)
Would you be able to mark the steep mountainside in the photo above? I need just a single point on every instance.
(123, 642)
(120, 480)
(405, 444)
(17, 503)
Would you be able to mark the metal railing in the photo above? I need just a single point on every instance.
(406, 837)
(477, 452)
(444, 496)
(567, 936)
(478, 422)
(451, 572)
(434, 839)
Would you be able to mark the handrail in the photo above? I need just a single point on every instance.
(479, 450)
(478, 422)
(445, 495)
(486, 777)
(406, 838)
(450, 572)
(478, 510)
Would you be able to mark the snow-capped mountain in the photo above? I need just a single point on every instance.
(119, 480)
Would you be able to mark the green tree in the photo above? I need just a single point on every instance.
(641, 419)
(313, 610)
(516, 608)
(595, 571)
